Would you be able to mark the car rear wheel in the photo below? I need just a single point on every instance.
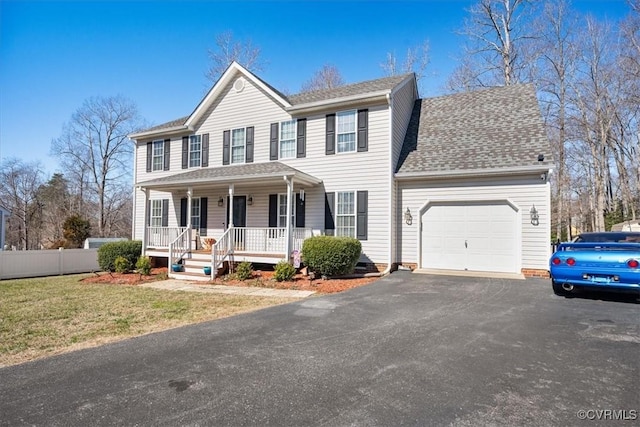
(559, 290)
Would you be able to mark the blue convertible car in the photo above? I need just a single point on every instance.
(605, 261)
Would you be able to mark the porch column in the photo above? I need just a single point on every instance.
(145, 225)
(231, 190)
(189, 228)
(289, 241)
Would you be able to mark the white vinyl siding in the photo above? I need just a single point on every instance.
(287, 139)
(195, 151)
(238, 145)
(156, 213)
(158, 155)
(346, 214)
(522, 191)
(346, 131)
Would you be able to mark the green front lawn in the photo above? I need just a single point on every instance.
(45, 316)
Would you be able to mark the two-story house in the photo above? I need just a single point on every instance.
(456, 182)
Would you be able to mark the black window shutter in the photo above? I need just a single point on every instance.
(185, 152)
(203, 215)
(226, 146)
(249, 147)
(183, 212)
(167, 152)
(273, 210)
(273, 146)
(302, 138)
(330, 147)
(329, 224)
(148, 213)
(165, 212)
(205, 150)
(363, 130)
(149, 155)
(299, 211)
(361, 219)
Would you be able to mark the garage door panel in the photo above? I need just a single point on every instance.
(470, 235)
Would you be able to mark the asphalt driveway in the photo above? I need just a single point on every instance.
(408, 349)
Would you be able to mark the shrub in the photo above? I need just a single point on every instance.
(244, 271)
(75, 230)
(107, 253)
(284, 271)
(144, 265)
(331, 256)
(122, 265)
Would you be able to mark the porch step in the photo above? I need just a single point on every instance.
(199, 276)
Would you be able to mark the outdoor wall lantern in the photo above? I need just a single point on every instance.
(220, 201)
(250, 200)
(407, 217)
(535, 217)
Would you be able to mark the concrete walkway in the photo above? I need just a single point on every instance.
(181, 285)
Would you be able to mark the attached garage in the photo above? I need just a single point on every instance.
(470, 235)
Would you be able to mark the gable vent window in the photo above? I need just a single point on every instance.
(346, 131)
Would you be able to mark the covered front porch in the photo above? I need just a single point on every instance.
(250, 212)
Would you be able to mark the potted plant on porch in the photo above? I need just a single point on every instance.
(177, 267)
(206, 270)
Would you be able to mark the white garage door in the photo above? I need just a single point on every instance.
(479, 236)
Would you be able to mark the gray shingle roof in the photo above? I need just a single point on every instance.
(385, 83)
(362, 88)
(168, 125)
(228, 173)
(486, 129)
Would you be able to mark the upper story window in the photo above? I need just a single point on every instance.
(287, 139)
(346, 131)
(158, 155)
(195, 151)
(237, 145)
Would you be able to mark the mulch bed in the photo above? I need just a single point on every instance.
(261, 278)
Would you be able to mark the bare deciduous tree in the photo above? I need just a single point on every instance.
(228, 50)
(416, 61)
(94, 145)
(18, 194)
(496, 29)
(328, 77)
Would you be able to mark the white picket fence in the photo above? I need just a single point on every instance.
(18, 264)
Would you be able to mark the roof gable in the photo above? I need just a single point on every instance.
(493, 129)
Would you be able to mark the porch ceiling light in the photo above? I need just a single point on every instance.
(220, 201)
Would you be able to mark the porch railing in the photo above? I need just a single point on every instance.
(179, 247)
(271, 240)
(161, 237)
(299, 236)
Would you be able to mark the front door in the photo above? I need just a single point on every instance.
(239, 211)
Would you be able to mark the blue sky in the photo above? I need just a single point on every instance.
(54, 55)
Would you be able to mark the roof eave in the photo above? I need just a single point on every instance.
(298, 176)
(516, 170)
(344, 101)
(164, 131)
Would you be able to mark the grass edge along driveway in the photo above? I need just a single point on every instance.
(41, 317)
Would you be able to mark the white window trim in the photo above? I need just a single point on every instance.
(295, 137)
(199, 216)
(355, 212)
(244, 151)
(293, 210)
(355, 146)
(190, 151)
(152, 216)
(153, 155)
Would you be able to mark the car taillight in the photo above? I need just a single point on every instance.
(632, 263)
(571, 261)
(556, 261)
